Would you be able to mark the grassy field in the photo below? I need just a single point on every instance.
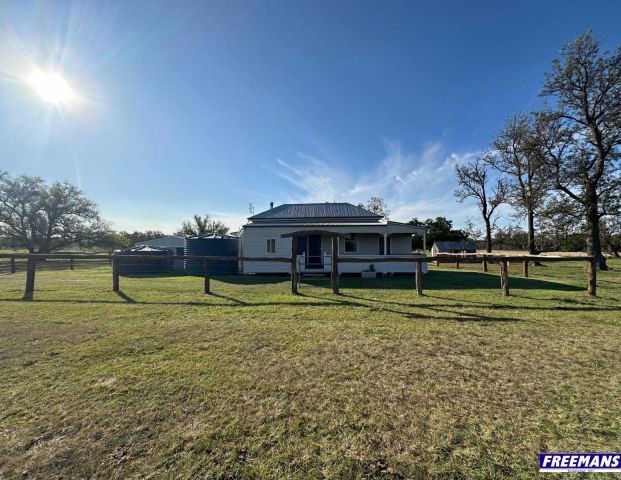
(162, 381)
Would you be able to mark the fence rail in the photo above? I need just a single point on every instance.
(33, 259)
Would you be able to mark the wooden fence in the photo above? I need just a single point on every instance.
(458, 259)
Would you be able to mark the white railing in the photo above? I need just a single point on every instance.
(401, 263)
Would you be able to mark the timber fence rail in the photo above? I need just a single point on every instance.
(34, 261)
(14, 265)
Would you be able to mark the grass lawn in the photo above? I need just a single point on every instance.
(163, 381)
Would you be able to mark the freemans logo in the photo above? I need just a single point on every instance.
(580, 462)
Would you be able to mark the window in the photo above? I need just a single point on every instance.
(351, 246)
(271, 245)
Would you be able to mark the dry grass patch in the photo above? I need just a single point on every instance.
(252, 382)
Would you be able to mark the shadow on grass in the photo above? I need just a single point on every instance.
(442, 280)
(434, 280)
(236, 301)
(440, 309)
(252, 279)
(443, 312)
(474, 280)
(125, 297)
(461, 303)
(340, 300)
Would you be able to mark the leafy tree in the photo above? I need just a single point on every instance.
(200, 225)
(42, 218)
(515, 155)
(110, 240)
(376, 205)
(562, 226)
(579, 140)
(473, 182)
(511, 237)
(137, 236)
(438, 229)
(611, 234)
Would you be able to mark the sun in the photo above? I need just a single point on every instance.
(51, 87)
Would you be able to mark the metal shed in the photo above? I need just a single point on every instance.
(439, 248)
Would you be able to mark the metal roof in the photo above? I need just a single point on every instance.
(213, 236)
(144, 249)
(298, 211)
(449, 246)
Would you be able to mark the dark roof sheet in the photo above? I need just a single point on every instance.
(289, 211)
(213, 236)
(448, 246)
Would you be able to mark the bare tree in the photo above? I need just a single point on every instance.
(581, 137)
(376, 205)
(202, 225)
(43, 218)
(516, 156)
(472, 231)
(474, 182)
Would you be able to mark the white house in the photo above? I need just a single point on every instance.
(370, 235)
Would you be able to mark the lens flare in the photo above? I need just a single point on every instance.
(51, 87)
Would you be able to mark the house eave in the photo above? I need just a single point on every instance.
(368, 227)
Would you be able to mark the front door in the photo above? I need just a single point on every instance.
(314, 258)
(381, 245)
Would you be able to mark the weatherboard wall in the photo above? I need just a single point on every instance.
(254, 244)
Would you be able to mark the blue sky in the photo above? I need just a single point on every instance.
(204, 107)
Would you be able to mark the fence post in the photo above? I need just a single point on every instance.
(334, 274)
(294, 266)
(30, 275)
(206, 273)
(115, 274)
(485, 265)
(457, 264)
(592, 277)
(12, 264)
(504, 278)
(525, 268)
(419, 277)
(71, 263)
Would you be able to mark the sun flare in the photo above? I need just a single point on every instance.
(51, 87)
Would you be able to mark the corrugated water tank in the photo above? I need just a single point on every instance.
(212, 245)
(160, 263)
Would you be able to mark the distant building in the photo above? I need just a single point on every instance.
(174, 243)
(453, 247)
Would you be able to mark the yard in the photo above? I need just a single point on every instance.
(164, 381)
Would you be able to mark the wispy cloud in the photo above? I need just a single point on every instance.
(414, 184)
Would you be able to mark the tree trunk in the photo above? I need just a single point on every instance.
(532, 249)
(488, 235)
(594, 243)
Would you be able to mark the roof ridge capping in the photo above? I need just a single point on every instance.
(290, 211)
